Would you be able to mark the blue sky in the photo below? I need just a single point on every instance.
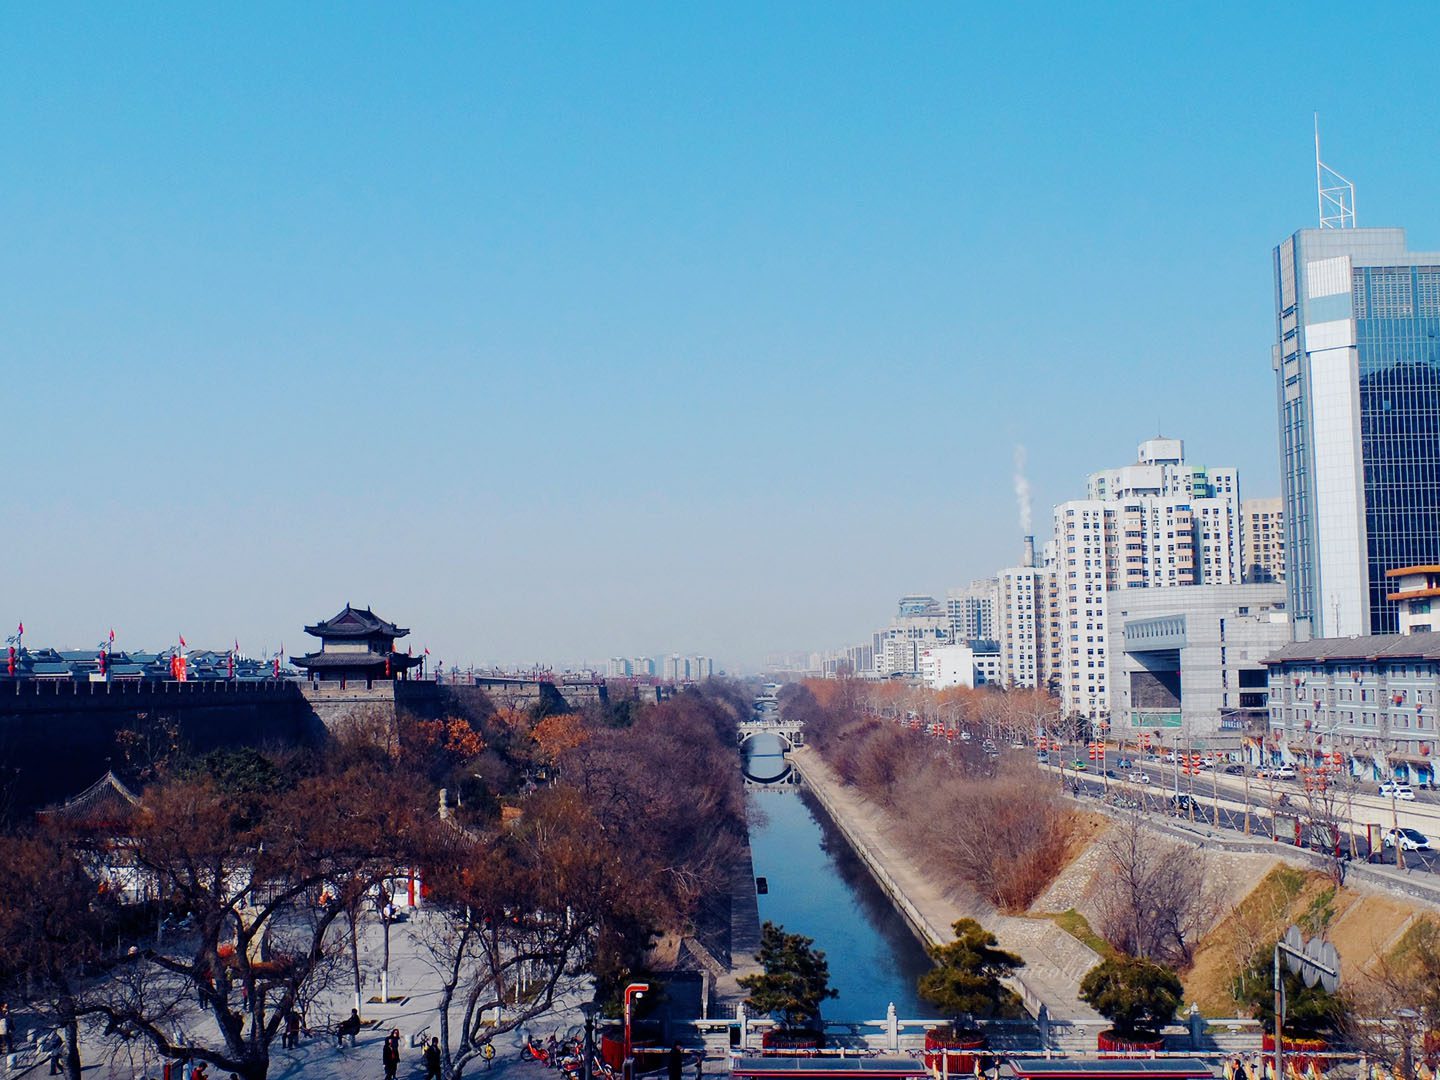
(556, 332)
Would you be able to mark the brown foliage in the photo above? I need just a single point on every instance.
(997, 827)
(558, 734)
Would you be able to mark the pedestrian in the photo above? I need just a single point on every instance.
(198, 1072)
(432, 1060)
(55, 1044)
(349, 1026)
(291, 1038)
(675, 1063)
(487, 1052)
(700, 1063)
(390, 1054)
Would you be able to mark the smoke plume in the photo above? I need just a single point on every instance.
(1022, 490)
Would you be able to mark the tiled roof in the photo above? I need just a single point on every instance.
(1370, 647)
(352, 622)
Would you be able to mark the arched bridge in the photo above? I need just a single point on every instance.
(789, 732)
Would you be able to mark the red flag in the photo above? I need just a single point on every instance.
(21, 630)
(277, 667)
(112, 635)
(182, 641)
(427, 652)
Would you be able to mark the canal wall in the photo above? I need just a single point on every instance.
(1055, 962)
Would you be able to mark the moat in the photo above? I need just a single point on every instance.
(817, 887)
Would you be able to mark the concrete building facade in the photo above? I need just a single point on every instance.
(1373, 700)
(1192, 658)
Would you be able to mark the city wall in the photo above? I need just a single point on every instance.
(58, 737)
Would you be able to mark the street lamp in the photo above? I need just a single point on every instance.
(634, 990)
(589, 1009)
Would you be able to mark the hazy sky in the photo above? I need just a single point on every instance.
(566, 331)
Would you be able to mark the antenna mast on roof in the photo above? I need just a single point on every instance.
(1334, 194)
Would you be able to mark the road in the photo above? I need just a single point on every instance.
(1223, 796)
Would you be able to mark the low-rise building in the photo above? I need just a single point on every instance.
(974, 664)
(1193, 657)
(1371, 699)
(1416, 589)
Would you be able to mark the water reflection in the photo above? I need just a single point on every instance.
(819, 888)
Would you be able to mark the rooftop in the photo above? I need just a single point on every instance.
(1368, 647)
(352, 623)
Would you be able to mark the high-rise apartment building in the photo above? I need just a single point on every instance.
(1027, 610)
(1262, 540)
(972, 610)
(1158, 523)
(920, 623)
(1357, 378)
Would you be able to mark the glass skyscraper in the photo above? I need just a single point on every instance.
(1357, 370)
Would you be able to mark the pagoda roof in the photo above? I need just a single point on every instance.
(105, 803)
(351, 622)
(363, 661)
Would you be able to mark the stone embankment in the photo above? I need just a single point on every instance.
(1055, 962)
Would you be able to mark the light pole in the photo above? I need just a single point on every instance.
(634, 990)
(589, 1009)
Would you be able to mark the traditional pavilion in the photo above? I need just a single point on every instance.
(356, 646)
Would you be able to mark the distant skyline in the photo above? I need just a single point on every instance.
(558, 333)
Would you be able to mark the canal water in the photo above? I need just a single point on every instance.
(819, 888)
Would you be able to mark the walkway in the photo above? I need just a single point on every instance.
(1055, 962)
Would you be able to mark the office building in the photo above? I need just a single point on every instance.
(1262, 540)
(1357, 377)
(1191, 659)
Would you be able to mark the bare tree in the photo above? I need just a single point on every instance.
(1154, 898)
(254, 870)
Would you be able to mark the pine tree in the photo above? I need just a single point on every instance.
(795, 981)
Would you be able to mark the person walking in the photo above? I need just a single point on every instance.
(291, 1038)
(675, 1063)
(487, 1053)
(432, 1060)
(390, 1054)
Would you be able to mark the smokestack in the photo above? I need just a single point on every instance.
(1028, 559)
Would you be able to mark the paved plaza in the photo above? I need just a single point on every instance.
(317, 1057)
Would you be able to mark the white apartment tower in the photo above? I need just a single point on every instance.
(1158, 523)
(1026, 609)
(972, 610)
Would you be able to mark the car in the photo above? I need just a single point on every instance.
(1078, 766)
(1284, 772)
(1139, 777)
(1410, 839)
(1124, 763)
(1181, 802)
(1233, 770)
(1111, 774)
(1395, 789)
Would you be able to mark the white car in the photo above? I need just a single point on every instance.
(1138, 777)
(1284, 772)
(1410, 839)
(1401, 792)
